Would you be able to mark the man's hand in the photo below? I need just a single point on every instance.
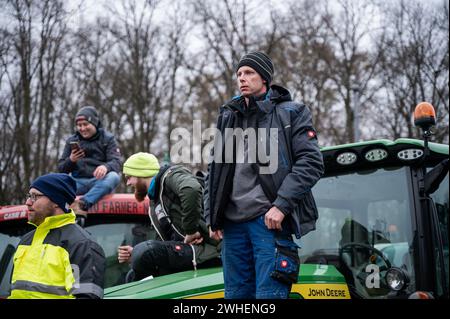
(100, 172)
(193, 239)
(216, 235)
(273, 218)
(76, 154)
(124, 254)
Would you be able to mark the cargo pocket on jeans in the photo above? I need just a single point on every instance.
(287, 262)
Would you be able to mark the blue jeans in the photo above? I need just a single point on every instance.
(249, 257)
(94, 189)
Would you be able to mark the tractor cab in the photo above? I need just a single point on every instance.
(383, 216)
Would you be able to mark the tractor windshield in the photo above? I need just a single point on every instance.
(364, 227)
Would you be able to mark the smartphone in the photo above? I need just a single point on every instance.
(75, 145)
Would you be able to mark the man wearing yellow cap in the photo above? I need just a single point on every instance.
(177, 215)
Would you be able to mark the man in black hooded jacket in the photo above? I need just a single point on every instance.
(92, 157)
(256, 204)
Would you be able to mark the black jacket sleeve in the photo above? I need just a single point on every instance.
(208, 193)
(206, 208)
(89, 264)
(113, 156)
(307, 162)
(65, 165)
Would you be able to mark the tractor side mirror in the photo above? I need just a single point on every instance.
(435, 177)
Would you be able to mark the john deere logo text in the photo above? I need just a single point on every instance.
(326, 293)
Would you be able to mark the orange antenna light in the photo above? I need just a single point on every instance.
(424, 115)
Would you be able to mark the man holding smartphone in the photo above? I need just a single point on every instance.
(92, 157)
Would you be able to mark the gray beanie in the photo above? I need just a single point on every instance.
(88, 113)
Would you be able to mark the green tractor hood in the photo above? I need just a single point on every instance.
(314, 281)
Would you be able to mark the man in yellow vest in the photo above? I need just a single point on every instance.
(58, 259)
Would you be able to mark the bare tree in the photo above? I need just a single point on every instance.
(302, 63)
(352, 65)
(95, 73)
(147, 75)
(415, 55)
(139, 51)
(34, 34)
(51, 67)
(8, 153)
(229, 30)
(121, 70)
(21, 12)
(177, 28)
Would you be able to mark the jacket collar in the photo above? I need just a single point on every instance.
(57, 221)
(156, 181)
(275, 95)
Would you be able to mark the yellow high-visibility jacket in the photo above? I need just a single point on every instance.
(58, 259)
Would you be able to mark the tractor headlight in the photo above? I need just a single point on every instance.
(396, 279)
(376, 154)
(346, 158)
(410, 154)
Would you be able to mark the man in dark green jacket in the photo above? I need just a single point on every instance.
(176, 213)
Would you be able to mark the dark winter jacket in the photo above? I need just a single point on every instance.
(300, 162)
(180, 193)
(100, 149)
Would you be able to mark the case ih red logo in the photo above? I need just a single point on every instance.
(13, 212)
